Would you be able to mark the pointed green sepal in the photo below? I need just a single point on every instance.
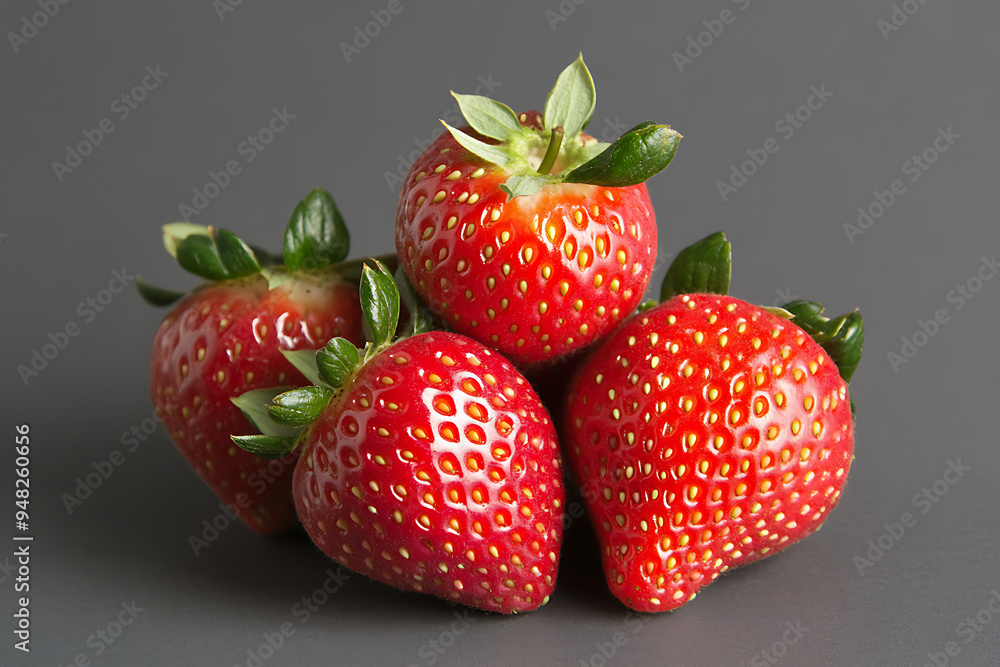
(156, 296)
(488, 117)
(571, 101)
(337, 361)
(316, 235)
(300, 407)
(236, 256)
(479, 148)
(255, 403)
(218, 255)
(305, 362)
(267, 446)
(842, 337)
(780, 312)
(175, 232)
(525, 185)
(379, 304)
(420, 318)
(703, 267)
(648, 304)
(634, 158)
(585, 153)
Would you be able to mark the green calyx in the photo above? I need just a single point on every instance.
(841, 337)
(705, 267)
(530, 154)
(284, 415)
(316, 237)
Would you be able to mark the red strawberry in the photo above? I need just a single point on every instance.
(708, 433)
(527, 234)
(428, 464)
(227, 337)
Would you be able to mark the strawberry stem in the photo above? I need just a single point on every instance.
(552, 152)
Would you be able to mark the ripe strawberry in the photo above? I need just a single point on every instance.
(428, 464)
(527, 234)
(708, 433)
(228, 336)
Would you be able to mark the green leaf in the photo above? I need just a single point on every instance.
(175, 232)
(648, 304)
(571, 101)
(634, 158)
(236, 256)
(588, 152)
(255, 403)
(268, 446)
(200, 256)
(526, 184)
(220, 255)
(300, 407)
(842, 338)
(351, 269)
(703, 267)
(379, 304)
(420, 319)
(482, 149)
(305, 362)
(316, 235)
(156, 296)
(337, 361)
(780, 312)
(488, 117)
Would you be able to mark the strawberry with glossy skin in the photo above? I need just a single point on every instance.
(428, 464)
(527, 234)
(707, 433)
(227, 337)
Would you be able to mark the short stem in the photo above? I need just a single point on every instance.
(552, 152)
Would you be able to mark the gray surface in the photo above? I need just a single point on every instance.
(129, 539)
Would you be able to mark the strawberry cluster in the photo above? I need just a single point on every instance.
(401, 394)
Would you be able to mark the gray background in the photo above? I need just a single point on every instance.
(129, 540)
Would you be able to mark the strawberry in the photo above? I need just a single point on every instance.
(228, 336)
(527, 234)
(708, 433)
(428, 464)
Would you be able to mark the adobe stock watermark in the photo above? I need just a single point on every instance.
(697, 43)
(783, 296)
(898, 17)
(302, 611)
(778, 649)
(259, 481)
(101, 471)
(913, 169)
(246, 152)
(786, 126)
(562, 12)
(105, 636)
(223, 7)
(87, 310)
(433, 649)
(32, 23)
(956, 299)
(121, 107)
(923, 501)
(453, 116)
(974, 626)
(364, 33)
